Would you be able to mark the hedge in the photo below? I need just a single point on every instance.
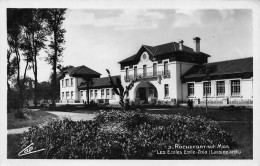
(123, 135)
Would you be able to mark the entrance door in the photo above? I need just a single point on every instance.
(142, 93)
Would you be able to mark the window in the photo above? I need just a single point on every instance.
(95, 94)
(107, 93)
(221, 88)
(91, 94)
(62, 82)
(67, 95)
(67, 82)
(206, 88)
(71, 94)
(126, 73)
(102, 93)
(165, 65)
(166, 90)
(152, 91)
(154, 69)
(63, 95)
(235, 87)
(144, 71)
(190, 89)
(71, 82)
(135, 71)
(81, 94)
(113, 94)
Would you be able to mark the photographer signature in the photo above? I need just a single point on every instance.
(28, 150)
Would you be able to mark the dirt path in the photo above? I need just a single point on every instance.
(18, 131)
(61, 115)
(73, 116)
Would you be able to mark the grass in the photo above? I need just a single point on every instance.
(37, 117)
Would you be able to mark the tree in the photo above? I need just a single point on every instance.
(27, 87)
(44, 90)
(89, 82)
(122, 92)
(15, 23)
(34, 36)
(54, 19)
(206, 70)
(11, 68)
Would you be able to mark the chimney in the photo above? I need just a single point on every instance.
(197, 44)
(181, 45)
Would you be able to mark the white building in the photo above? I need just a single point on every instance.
(167, 74)
(73, 87)
(170, 72)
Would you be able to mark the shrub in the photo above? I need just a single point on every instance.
(63, 138)
(117, 135)
(232, 108)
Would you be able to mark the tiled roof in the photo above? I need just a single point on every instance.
(82, 70)
(228, 67)
(162, 49)
(101, 83)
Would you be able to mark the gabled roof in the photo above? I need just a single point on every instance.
(101, 83)
(82, 70)
(230, 68)
(162, 49)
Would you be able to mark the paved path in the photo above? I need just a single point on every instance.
(61, 115)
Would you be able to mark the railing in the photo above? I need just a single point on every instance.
(147, 75)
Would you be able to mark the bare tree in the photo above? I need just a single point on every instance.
(206, 70)
(120, 91)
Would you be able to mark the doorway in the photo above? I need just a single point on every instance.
(142, 93)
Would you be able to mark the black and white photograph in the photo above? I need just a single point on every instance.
(146, 81)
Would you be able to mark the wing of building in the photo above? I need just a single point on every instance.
(166, 74)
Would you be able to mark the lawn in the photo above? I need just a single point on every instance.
(37, 117)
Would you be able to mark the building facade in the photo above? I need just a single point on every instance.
(73, 87)
(170, 73)
(167, 74)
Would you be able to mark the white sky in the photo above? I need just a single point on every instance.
(100, 38)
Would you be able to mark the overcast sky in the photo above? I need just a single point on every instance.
(99, 39)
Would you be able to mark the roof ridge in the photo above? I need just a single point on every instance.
(145, 46)
(78, 68)
(108, 77)
(229, 60)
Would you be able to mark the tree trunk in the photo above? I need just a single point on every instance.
(35, 81)
(54, 72)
